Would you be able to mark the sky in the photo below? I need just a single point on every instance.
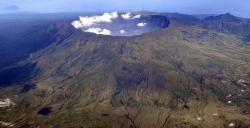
(236, 7)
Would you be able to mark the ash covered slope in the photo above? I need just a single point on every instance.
(177, 76)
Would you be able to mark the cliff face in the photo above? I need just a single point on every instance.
(157, 21)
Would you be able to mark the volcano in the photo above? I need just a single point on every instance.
(176, 72)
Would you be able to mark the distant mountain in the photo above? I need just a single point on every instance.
(203, 16)
(144, 11)
(188, 16)
(191, 73)
(179, 15)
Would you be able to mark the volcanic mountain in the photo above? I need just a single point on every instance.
(190, 73)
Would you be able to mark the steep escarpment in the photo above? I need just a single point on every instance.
(157, 21)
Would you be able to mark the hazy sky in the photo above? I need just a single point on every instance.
(236, 7)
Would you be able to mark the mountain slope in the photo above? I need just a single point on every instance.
(235, 25)
(19, 33)
(166, 78)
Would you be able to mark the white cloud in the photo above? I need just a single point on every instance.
(137, 16)
(129, 16)
(122, 31)
(126, 16)
(141, 24)
(99, 31)
(77, 24)
(92, 24)
(87, 23)
(93, 20)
